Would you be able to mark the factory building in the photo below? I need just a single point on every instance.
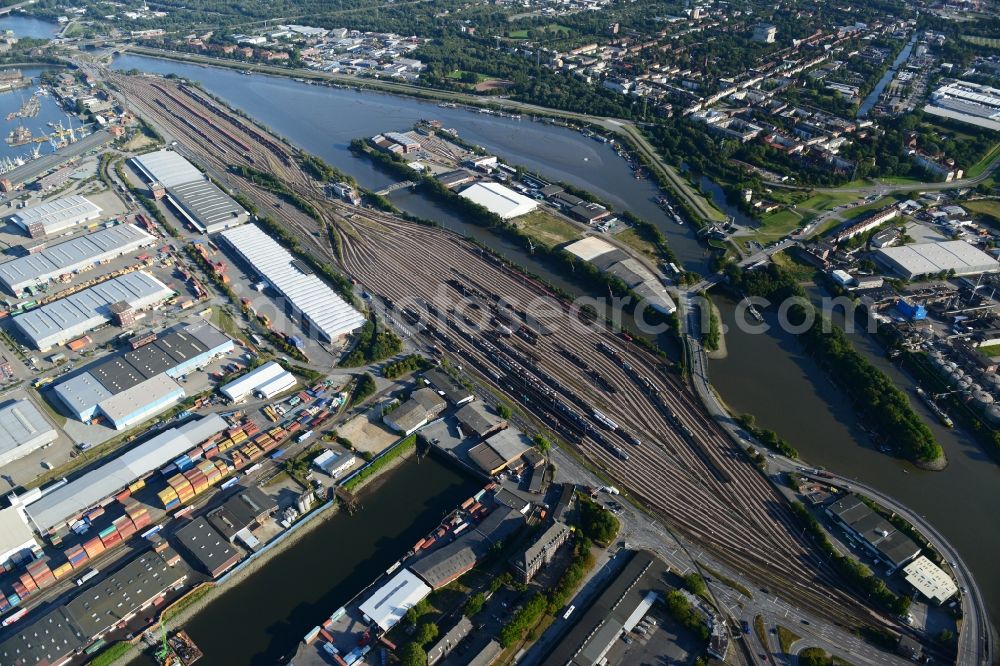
(914, 260)
(423, 405)
(51, 217)
(971, 103)
(213, 554)
(244, 511)
(540, 552)
(17, 541)
(637, 277)
(617, 611)
(387, 606)
(450, 561)
(307, 299)
(73, 256)
(195, 198)
(929, 580)
(64, 504)
(268, 380)
(124, 593)
(54, 638)
(23, 429)
(130, 387)
(68, 318)
(499, 200)
(873, 531)
(501, 451)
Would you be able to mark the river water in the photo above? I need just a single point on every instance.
(325, 120)
(27, 26)
(818, 420)
(264, 618)
(811, 414)
(872, 99)
(48, 112)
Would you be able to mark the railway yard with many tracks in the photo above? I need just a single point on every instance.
(616, 404)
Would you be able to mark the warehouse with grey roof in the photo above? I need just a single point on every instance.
(23, 429)
(916, 259)
(60, 321)
(313, 304)
(56, 215)
(198, 200)
(73, 256)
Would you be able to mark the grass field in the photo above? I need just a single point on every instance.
(546, 228)
(988, 208)
(978, 40)
(552, 27)
(979, 167)
(785, 639)
(823, 201)
(634, 241)
(991, 350)
(458, 75)
(802, 271)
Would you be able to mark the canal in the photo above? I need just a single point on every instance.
(49, 113)
(800, 403)
(264, 618)
(27, 26)
(815, 417)
(872, 99)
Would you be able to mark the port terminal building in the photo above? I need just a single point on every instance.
(68, 318)
(73, 256)
(499, 200)
(309, 301)
(196, 199)
(57, 215)
(129, 387)
(267, 380)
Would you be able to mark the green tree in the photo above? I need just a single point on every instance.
(695, 584)
(426, 632)
(474, 604)
(504, 411)
(412, 655)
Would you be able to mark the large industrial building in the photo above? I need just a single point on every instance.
(637, 277)
(66, 503)
(197, 199)
(269, 380)
(500, 200)
(53, 638)
(68, 318)
(16, 538)
(873, 531)
(23, 429)
(971, 103)
(930, 580)
(51, 217)
(210, 550)
(617, 611)
(73, 256)
(389, 603)
(914, 260)
(316, 307)
(132, 387)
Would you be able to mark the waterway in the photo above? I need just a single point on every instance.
(872, 99)
(27, 26)
(48, 112)
(265, 617)
(815, 417)
(799, 403)
(325, 120)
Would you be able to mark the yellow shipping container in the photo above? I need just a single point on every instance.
(138, 485)
(62, 570)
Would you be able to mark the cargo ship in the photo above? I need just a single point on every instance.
(19, 136)
(933, 406)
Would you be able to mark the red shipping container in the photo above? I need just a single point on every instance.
(28, 583)
(142, 522)
(19, 589)
(123, 495)
(94, 547)
(125, 527)
(112, 539)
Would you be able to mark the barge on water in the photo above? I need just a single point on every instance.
(178, 650)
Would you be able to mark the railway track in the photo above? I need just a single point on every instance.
(617, 404)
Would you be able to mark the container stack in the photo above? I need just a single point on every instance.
(62, 570)
(124, 526)
(168, 496)
(110, 536)
(41, 574)
(76, 556)
(139, 515)
(20, 591)
(29, 584)
(94, 547)
(181, 485)
(183, 462)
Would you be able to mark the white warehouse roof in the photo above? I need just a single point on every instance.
(273, 387)
(930, 580)
(54, 509)
(72, 256)
(929, 258)
(243, 386)
(590, 248)
(167, 168)
(15, 535)
(22, 430)
(498, 199)
(71, 317)
(58, 214)
(325, 311)
(389, 603)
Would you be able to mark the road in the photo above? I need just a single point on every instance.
(977, 637)
(753, 259)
